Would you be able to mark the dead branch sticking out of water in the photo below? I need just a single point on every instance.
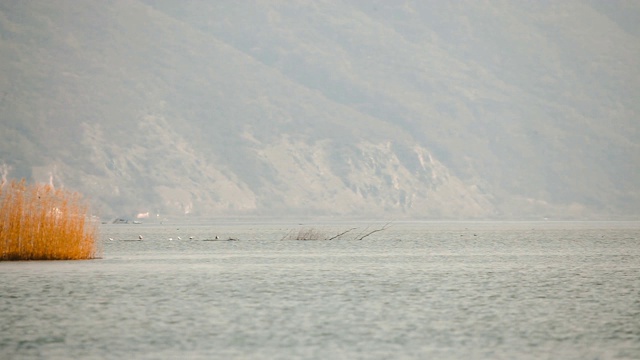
(340, 234)
(384, 227)
(315, 234)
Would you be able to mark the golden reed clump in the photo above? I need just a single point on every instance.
(38, 222)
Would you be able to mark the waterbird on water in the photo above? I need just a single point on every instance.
(110, 239)
(179, 238)
(217, 238)
(139, 237)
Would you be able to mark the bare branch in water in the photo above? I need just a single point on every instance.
(374, 231)
(342, 233)
(315, 234)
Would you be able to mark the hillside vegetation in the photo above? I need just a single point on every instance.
(425, 109)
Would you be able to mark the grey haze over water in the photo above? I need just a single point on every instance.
(366, 109)
(416, 290)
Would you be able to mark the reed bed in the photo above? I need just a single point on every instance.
(306, 234)
(38, 222)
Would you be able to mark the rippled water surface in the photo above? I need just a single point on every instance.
(416, 290)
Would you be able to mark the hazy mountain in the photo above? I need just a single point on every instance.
(419, 109)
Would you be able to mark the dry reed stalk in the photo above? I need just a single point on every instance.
(38, 222)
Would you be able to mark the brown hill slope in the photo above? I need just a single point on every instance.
(429, 109)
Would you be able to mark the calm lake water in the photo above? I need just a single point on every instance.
(538, 290)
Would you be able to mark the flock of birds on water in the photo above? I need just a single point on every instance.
(140, 238)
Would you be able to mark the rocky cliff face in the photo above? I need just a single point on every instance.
(302, 176)
(359, 109)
